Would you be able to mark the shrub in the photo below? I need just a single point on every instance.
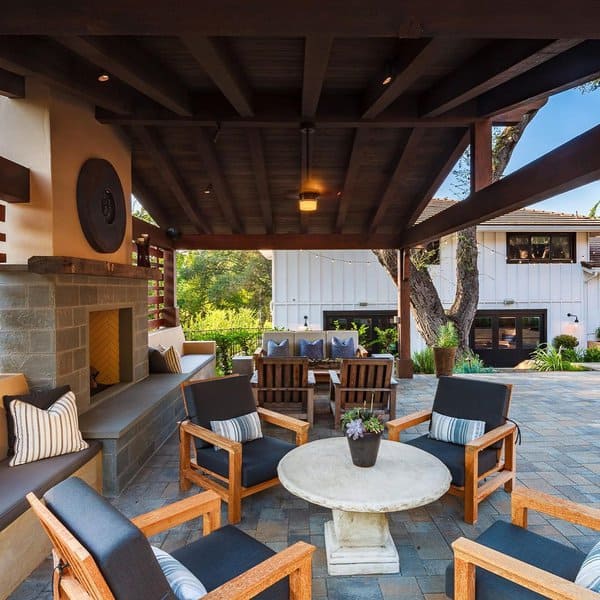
(549, 358)
(598, 333)
(447, 336)
(469, 362)
(566, 341)
(423, 361)
(592, 355)
(573, 355)
(386, 340)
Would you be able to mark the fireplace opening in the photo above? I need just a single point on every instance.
(110, 348)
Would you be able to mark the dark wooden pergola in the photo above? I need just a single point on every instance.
(234, 107)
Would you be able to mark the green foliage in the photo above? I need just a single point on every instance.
(549, 358)
(386, 339)
(423, 361)
(223, 279)
(447, 336)
(363, 332)
(221, 319)
(565, 341)
(591, 355)
(137, 210)
(594, 211)
(597, 333)
(581, 355)
(469, 362)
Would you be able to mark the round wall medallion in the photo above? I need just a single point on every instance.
(101, 205)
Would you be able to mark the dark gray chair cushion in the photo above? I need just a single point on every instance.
(259, 459)
(527, 546)
(236, 551)
(120, 549)
(473, 399)
(453, 456)
(37, 477)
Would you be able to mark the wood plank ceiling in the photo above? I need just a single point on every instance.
(215, 112)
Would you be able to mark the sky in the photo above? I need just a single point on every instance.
(563, 117)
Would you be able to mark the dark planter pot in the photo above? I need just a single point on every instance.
(364, 450)
(444, 361)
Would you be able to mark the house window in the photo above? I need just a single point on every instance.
(540, 247)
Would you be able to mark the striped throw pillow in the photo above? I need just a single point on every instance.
(173, 360)
(589, 572)
(239, 429)
(456, 431)
(184, 584)
(45, 433)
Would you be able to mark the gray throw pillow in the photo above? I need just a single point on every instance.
(157, 362)
(312, 350)
(281, 350)
(342, 348)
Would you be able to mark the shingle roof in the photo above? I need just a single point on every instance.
(524, 217)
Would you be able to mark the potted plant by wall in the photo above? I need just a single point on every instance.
(444, 352)
(363, 429)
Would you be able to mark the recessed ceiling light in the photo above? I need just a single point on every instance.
(103, 77)
(208, 189)
(387, 79)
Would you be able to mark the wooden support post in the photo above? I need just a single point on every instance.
(481, 155)
(14, 181)
(405, 365)
(170, 312)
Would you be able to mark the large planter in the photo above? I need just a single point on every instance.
(364, 450)
(444, 360)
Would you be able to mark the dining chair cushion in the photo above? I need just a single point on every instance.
(278, 349)
(589, 573)
(453, 456)
(525, 545)
(259, 460)
(311, 349)
(184, 584)
(119, 548)
(342, 348)
(239, 429)
(216, 400)
(456, 431)
(225, 554)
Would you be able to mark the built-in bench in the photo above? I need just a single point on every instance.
(23, 543)
(133, 423)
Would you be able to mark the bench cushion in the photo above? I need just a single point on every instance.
(224, 554)
(193, 362)
(527, 546)
(37, 477)
(453, 456)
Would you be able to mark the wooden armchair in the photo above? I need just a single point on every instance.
(285, 385)
(100, 555)
(236, 470)
(361, 381)
(491, 454)
(509, 562)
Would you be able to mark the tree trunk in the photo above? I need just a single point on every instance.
(427, 308)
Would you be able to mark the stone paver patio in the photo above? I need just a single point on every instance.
(559, 416)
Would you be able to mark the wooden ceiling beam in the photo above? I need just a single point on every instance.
(213, 56)
(149, 201)
(14, 181)
(437, 174)
(391, 192)
(261, 177)
(11, 85)
(492, 66)
(569, 166)
(317, 49)
(359, 146)
(413, 59)
(129, 62)
(166, 167)
(157, 236)
(287, 241)
(208, 155)
(54, 65)
(571, 68)
(296, 18)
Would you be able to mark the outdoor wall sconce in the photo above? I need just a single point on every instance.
(572, 315)
(305, 321)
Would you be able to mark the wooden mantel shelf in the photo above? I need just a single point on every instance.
(67, 265)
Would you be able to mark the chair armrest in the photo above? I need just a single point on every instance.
(334, 377)
(523, 499)
(296, 425)
(294, 561)
(468, 554)
(402, 423)
(164, 518)
(311, 378)
(200, 347)
(258, 352)
(211, 437)
(491, 437)
(361, 351)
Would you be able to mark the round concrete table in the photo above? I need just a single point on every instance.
(358, 540)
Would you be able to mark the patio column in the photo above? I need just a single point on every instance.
(170, 312)
(405, 365)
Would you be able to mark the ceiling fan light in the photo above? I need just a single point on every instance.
(308, 201)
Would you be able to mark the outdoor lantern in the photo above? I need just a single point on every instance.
(308, 201)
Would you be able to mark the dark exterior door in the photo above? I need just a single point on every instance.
(504, 338)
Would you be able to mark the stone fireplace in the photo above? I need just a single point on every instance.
(46, 328)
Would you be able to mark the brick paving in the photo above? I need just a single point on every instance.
(559, 415)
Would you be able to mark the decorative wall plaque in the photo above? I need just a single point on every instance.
(101, 205)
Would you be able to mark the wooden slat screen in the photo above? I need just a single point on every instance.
(156, 289)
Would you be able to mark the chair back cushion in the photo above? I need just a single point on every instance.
(218, 399)
(278, 337)
(166, 337)
(118, 547)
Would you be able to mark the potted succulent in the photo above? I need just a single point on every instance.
(363, 429)
(444, 352)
